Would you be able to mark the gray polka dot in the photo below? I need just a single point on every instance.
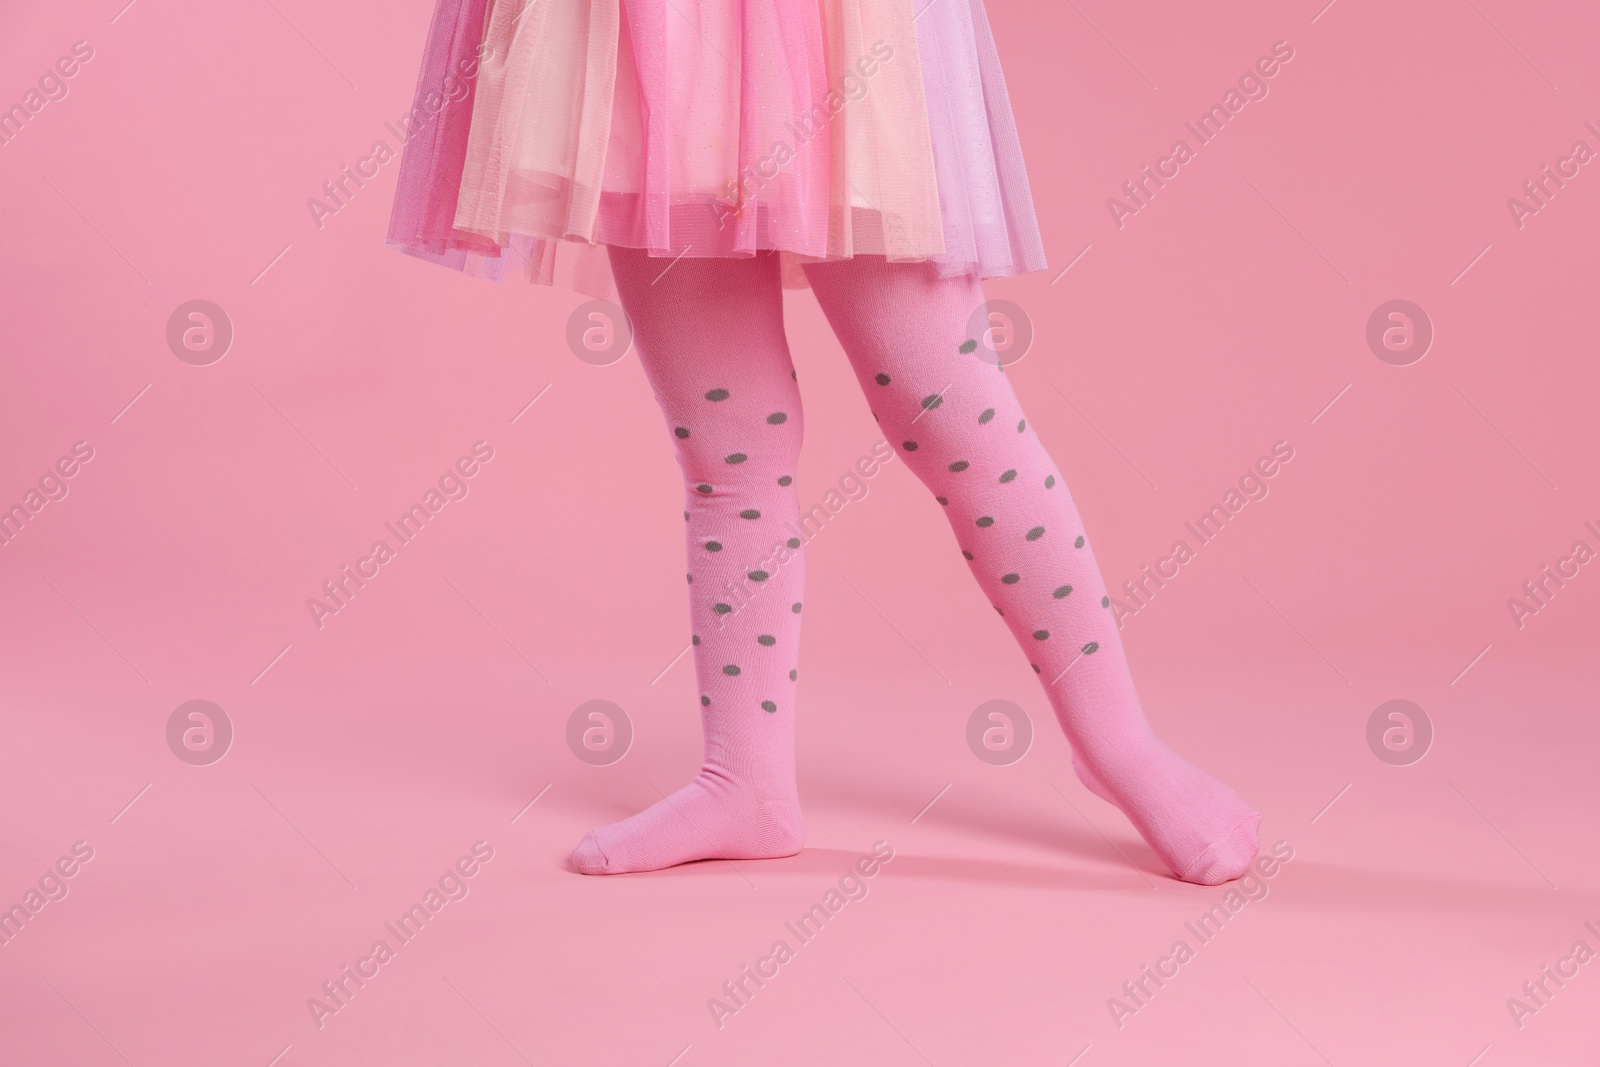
(758, 576)
(768, 640)
(959, 465)
(909, 446)
(718, 394)
(1091, 648)
(931, 401)
(792, 675)
(682, 431)
(778, 417)
(749, 513)
(737, 457)
(721, 609)
(943, 500)
(1007, 476)
(1011, 579)
(703, 488)
(986, 521)
(1061, 591)
(785, 480)
(1022, 425)
(730, 669)
(1050, 481)
(695, 639)
(1041, 635)
(793, 542)
(988, 413)
(1035, 533)
(713, 546)
(969, 555)
(705, 701)
(968, 346)
(795, 607)
(767, 705)
(1079, 542)
(881, 378)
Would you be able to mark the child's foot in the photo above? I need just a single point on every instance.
(1202, 830)
(710, 818)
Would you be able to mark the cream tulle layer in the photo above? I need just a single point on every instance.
(818, 128)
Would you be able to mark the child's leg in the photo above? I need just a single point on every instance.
(709, 333)
(954, 419)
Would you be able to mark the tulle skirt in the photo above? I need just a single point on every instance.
(543, 130)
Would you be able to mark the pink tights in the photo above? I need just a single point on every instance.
(709, 333)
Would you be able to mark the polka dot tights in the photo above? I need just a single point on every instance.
(710, 335)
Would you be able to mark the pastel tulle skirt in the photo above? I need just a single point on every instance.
(543, 130)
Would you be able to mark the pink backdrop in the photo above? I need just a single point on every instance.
(1228, 313)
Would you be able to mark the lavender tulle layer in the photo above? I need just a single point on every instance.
(543, 130)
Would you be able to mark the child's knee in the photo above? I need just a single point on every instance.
(758, 444)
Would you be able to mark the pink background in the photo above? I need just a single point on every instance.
(369, 755)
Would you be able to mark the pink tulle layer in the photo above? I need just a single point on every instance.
(543, 130)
